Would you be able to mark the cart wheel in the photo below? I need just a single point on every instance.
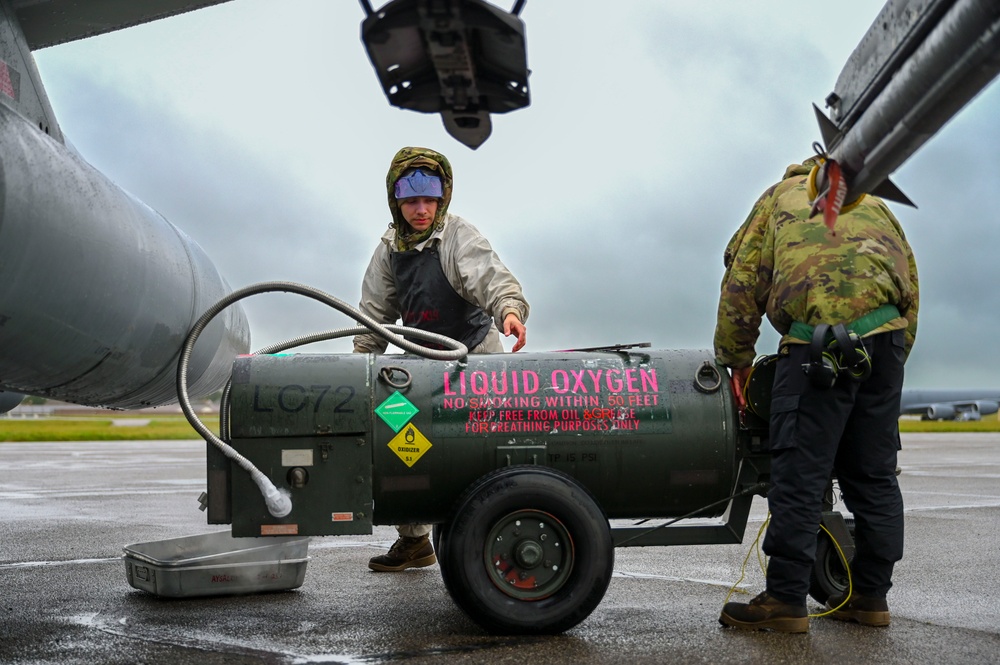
(436, 536)
(528, 551)
(436, 533)
(829, 577)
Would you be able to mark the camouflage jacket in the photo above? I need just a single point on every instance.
(792, 268)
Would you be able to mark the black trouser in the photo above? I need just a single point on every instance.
(852, 429)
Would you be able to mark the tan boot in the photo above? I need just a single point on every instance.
(405, 553)
(866, 610)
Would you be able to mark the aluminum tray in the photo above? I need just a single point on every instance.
(216, 564)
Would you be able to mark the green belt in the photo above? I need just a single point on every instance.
(867, 323)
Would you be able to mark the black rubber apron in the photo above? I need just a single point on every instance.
(427, 301)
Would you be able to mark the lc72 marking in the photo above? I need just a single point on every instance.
(293, 398)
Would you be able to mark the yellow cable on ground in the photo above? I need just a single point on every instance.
(847, 567)
(763, 566)
(743, 568)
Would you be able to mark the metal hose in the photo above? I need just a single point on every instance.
(279, 502)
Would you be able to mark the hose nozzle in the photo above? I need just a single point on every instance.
(279, 502)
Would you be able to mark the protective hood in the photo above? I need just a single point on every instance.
(405, 159)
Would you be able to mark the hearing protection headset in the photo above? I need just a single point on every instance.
(845, 352)
(854, 359)
(760, 382)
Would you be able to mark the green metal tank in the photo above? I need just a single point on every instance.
(389, 439)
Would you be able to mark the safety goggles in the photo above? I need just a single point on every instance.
(419, 183)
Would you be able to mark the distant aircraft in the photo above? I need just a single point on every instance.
(949, 404)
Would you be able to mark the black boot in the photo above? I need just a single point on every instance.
(766, 612)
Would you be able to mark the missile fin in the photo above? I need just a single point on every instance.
(830, 131)
(887, 189)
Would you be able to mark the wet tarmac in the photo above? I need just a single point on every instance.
(68, 509)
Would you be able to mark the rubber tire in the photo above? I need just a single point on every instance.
(485, 504)
(436, 534)
(828, 577)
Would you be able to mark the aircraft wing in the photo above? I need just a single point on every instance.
(51, 22)
(949, 404)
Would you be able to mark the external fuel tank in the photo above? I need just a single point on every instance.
(97, 289)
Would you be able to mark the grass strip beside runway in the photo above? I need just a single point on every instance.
(101, 428)
(987, 424)
(170, 427)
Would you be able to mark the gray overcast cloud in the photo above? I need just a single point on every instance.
(264, 135)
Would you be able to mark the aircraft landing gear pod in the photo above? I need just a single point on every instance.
(520, 460)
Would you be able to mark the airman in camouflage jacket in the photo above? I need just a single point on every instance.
(792, 268)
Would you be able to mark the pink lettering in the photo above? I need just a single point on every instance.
(560, 381)
(614, 385)
(630, 380)
(530, 379)
(483, 386)
(496, 389)
(596, 378)
(649, 382)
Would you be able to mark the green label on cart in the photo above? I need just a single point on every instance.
(396, 411)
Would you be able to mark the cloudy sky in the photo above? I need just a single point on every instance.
(263, 133)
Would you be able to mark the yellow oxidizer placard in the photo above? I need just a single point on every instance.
(409, 444)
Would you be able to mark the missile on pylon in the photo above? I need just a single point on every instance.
(917, 66)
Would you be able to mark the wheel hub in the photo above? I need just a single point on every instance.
(529, 554)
